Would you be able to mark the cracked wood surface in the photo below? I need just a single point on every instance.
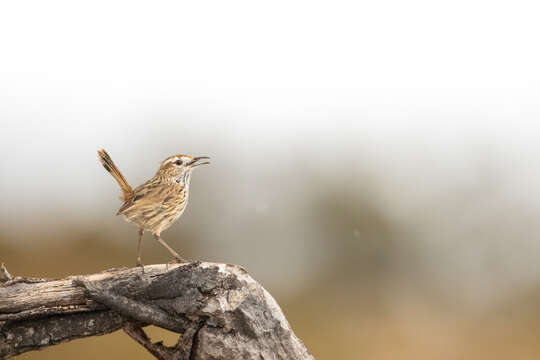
(219, 310)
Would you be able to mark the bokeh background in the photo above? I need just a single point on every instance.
(375, 165)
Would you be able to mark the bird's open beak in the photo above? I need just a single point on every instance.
(194, 163)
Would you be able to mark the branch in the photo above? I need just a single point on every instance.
(219, 310)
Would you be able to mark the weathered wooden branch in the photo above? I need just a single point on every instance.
(219, 310)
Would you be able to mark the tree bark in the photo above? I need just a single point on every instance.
(219, 310)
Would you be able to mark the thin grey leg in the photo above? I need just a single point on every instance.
(174, 253)
(139, 263)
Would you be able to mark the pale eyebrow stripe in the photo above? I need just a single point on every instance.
(172, 159)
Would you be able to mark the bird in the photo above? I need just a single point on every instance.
(157, 203)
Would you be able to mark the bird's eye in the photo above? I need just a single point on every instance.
(178, 162)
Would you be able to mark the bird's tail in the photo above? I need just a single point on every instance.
(109, 165)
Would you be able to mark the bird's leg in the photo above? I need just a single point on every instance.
(139, 263)
(174, 253)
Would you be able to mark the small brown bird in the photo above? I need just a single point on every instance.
(160, 201)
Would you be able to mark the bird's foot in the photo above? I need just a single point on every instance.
(140, 264)
(177, 260)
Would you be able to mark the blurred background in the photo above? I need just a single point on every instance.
(375, 165)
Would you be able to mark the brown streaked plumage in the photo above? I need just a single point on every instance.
(160, 201)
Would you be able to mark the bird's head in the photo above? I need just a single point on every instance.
(178, 167)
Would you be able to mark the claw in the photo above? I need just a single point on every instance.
(180, 260)
(176, 260)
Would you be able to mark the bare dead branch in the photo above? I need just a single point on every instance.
(219, 311)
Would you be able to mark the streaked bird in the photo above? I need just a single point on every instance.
(156, 204)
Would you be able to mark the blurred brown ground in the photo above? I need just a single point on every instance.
(334, 321)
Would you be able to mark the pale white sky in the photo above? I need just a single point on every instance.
(281, 60)
(456, 46)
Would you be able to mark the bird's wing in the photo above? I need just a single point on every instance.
(148, 194)
(141, 193)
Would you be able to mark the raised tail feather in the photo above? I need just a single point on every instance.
(109, 165)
